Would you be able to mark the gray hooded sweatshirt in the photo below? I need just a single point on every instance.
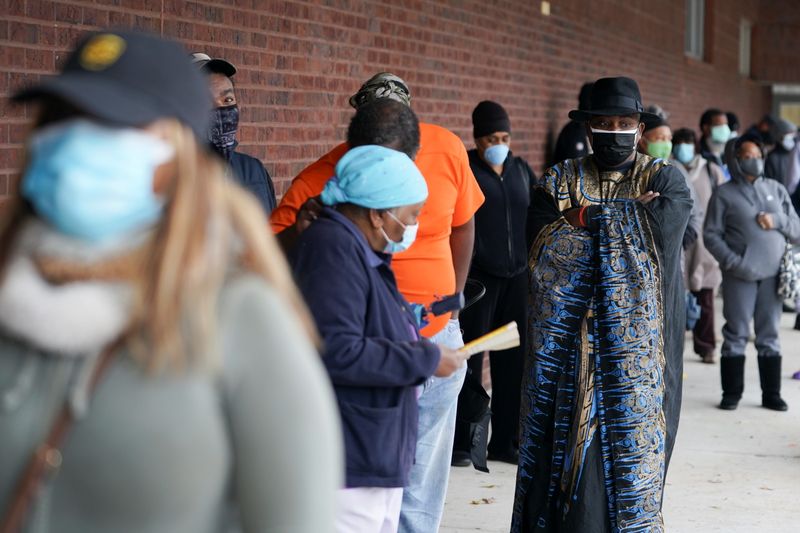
(732, 235)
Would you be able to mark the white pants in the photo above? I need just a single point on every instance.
(368, 510)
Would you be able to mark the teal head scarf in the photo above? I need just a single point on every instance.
(377, 178)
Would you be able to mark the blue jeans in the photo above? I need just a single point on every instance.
(423, 498)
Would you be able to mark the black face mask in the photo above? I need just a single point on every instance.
(612, 148)
(222, 133)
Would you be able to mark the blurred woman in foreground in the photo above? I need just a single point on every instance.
(129, 262)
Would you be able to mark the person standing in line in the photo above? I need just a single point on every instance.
(248, 171)
(733, 123)
(779, 159)
(763, 131)
(436, 266)
(602, 380)
(715, 134)
(749, 221)
(702, 271)
(128, 255)
(572, 141)
(656, 141)
(500, 265)
(374, 354)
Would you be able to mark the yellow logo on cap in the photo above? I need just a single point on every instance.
(102, 51)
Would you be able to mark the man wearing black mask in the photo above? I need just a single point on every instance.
(248, 171)
(602, 381)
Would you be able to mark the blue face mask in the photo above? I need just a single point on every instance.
(409, 236)
(684, 152)
(94, 182)
(496, 154)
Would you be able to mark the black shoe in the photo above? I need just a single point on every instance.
(460, 458)
(509, 456)
(773, 402)
(729, 403)
(769, 370)
(731, 369)
(789, 308)
(797, 322)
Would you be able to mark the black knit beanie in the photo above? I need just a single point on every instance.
(489, 117)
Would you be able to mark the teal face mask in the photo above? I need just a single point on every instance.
(659, 149)
(720, 134)
(684, 152)
(94, 182)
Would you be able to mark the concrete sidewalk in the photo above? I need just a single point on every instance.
(736, 471)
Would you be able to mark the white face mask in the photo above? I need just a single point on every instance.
(409, 236)
(788, 141)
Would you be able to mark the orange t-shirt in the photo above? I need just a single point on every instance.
(308, 184)
(425, 271)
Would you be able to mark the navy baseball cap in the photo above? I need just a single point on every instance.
(130, 79)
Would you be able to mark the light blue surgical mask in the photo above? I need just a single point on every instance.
(684, 152)
(409, 236)
(94, 182)
(496, 154)
(720, 134)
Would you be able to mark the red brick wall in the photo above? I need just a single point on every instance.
(300, 60)
(777, 43)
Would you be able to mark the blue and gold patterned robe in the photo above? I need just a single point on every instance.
(602, 382)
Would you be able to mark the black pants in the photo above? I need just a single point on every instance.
(506, 299)
(703, 333)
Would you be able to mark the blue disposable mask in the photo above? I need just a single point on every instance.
(684, 152)
(720, 134)
(94, 182)
(496, 154)
(409, 236)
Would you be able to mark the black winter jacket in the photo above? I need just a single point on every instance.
(502, 238)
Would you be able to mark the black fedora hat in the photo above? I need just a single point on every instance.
(613, 96)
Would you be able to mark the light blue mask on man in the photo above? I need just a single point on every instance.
(720, 133)
(94, 182)
(684, 152)
(496, 154)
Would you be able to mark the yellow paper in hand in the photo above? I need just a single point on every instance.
(502, 338)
